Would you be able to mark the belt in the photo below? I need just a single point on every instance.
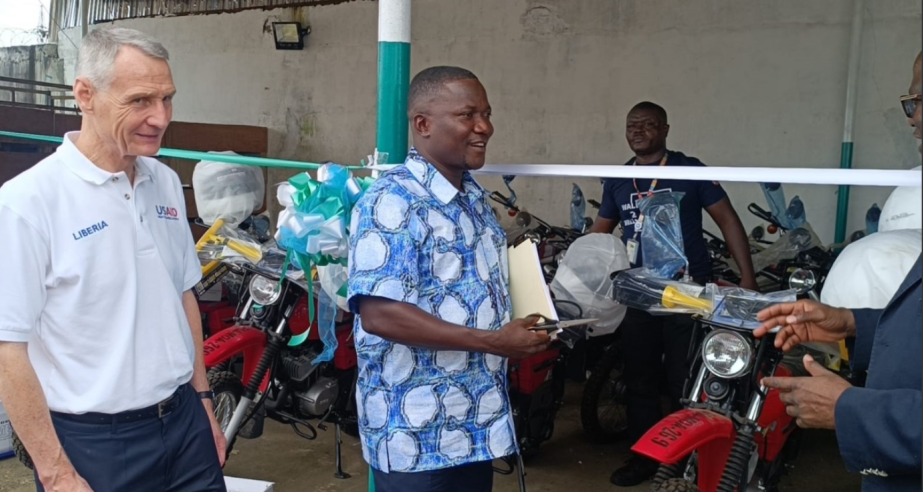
(155, 411)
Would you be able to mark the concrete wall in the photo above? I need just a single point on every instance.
(745, 84)
(37, 62)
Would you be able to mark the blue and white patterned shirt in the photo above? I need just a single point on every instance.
(417, 239)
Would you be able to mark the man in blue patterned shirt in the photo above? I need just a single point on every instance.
(429, 280)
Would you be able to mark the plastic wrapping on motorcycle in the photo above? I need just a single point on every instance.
(662, 234)
(582, 277)
(227, 191)
(730, 306)
(577, 209)
(737, 307)
(222, 242)
(642, 289)
(775, 197)
(869, 271)
(786, 247)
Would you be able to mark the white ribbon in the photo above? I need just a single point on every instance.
(851, 177)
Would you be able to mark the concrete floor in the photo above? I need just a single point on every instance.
(567, 462)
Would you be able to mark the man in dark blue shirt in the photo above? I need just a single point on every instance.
(648, 339)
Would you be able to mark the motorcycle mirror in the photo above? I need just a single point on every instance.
(523, 219)
(758, 233)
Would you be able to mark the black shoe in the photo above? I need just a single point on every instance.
(635, 472)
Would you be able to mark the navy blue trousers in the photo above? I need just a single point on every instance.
(472, 477)
(174, 453)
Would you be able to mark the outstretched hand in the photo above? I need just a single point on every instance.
(805, 321)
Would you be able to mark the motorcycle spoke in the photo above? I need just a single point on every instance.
(224, 408)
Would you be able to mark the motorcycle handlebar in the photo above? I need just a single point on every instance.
(765, 215)
(502, 200)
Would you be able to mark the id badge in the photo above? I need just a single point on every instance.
(639, 224)
(632, 249)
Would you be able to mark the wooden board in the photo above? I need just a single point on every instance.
(204, 137)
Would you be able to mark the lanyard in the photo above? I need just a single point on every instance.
(639, 223)
(663, 162)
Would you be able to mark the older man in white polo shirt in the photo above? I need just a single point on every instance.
(101, 366)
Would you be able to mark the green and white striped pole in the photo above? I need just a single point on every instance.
(393, 78)
(393, 84)
(846, 152)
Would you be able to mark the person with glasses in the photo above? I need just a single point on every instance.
(652, 342)
(878, 426)
(911, 102)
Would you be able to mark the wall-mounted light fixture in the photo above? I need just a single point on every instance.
(289, 35)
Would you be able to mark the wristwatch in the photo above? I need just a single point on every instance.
(207, 395)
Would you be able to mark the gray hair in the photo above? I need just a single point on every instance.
(96, 59)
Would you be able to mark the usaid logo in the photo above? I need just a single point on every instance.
(168, 213)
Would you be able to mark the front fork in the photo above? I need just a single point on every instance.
(742, 460)
(274, 345)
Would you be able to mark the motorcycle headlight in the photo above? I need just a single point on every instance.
(727, 354)
(264, 291)
(802, 280)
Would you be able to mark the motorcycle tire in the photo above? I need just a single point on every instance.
(21, 453)
(228, 388)
(608, 374)
(675, 485)
(666, 473)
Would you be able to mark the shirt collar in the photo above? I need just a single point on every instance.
(86, 170)
(436, 183)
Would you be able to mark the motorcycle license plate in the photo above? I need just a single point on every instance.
(671, 431)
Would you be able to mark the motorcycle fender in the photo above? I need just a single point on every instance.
(682, 432)
(236, 340)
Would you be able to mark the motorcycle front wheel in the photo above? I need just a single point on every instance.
(603, 408)
(228, 390)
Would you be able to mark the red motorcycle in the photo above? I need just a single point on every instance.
(733, 434)
(536, 383)
(255, 372)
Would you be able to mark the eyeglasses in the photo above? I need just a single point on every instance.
(909, 103)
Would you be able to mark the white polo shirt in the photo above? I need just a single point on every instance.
(92, 273)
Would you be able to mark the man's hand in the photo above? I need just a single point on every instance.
(28, 410)
(63, 477)
(68, 483)
(220, 442)
(806, 321)
(515, 339)
(811, 400)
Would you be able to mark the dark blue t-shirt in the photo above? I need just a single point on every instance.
(620, 202)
